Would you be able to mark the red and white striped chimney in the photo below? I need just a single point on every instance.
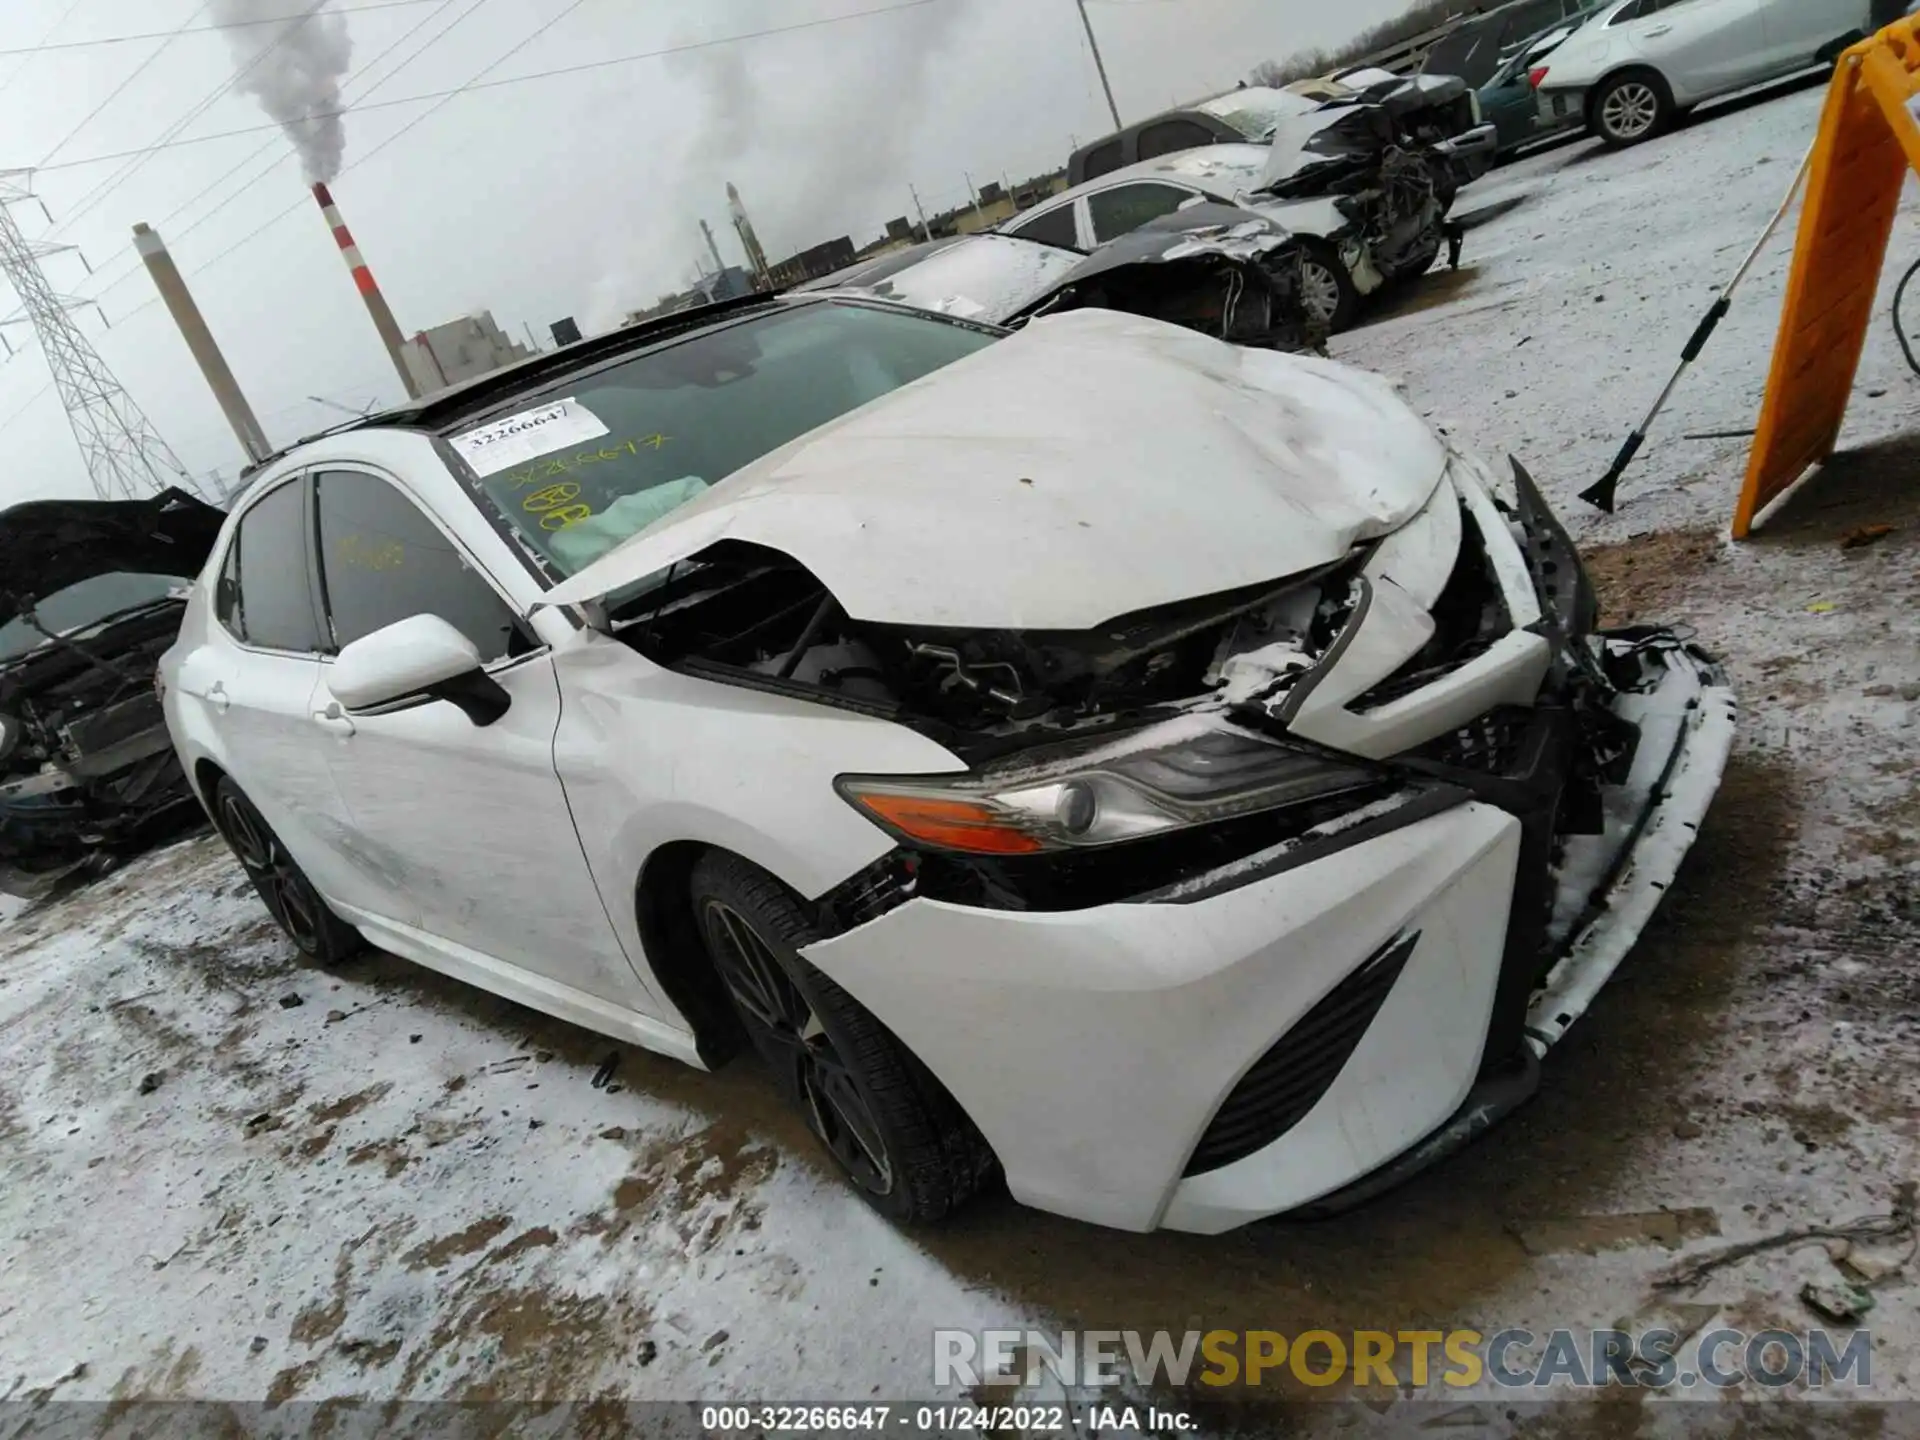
(377, 307)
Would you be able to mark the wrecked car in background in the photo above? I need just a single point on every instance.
(1213, 268)
(1366, 210)
(1162, 771)
(1425, 110)
(91, 593)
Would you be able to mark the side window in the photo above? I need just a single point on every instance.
(1170, 137)
(1632, 12)
(1532, 17)
(273, 594)
(1125, 208)
(1104, 159)
(1053, 228)
(383, 561)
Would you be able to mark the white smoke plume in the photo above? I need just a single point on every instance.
(816, 127)
(294, 69)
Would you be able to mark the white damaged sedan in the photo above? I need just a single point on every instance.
(1162, 773)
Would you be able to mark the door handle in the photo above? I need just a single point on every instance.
(217, 696)
(1657, 31)
(335, 719)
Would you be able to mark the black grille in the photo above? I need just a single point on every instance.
(109, 726)
(1288, 1081)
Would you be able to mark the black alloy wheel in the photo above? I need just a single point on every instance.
(889, 1124)
(789, 1032)
(282, 885)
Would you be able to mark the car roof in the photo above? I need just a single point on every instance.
(983, 277)
(1241, 166)
(876, 268)
(448, 409)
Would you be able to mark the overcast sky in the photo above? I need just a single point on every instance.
(577, 195)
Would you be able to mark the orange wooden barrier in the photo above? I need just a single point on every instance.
(1868, 139)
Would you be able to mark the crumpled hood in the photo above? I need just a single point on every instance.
(1093, 465)
(47, 545)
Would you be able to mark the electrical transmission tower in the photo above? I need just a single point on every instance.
(125, 456)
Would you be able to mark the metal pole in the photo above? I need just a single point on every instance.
(1100, 65)
(921, 210)
(974, 195)
(1602, 494)
(200, 342)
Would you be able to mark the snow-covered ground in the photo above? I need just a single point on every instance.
(223, 1175)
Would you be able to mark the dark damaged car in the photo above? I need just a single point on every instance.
(91, 594)
(1223, 271)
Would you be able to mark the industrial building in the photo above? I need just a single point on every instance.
(460, 350)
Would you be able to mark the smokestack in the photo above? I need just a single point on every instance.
(383, 320)
(193, 329)
(713, 248)
(756, 257)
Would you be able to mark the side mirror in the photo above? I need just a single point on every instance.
(421, 658)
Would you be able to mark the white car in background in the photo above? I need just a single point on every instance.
(1637, 64)
(1161, 771)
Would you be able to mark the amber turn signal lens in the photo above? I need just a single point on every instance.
(949, 824)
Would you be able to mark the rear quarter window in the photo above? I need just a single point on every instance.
(1104, 159)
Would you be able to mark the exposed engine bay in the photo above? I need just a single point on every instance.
(1551, 730)
(86, 764)
(1391, 162)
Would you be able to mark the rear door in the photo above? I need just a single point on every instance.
(257, 682)
(1703, 47)
(467, 827)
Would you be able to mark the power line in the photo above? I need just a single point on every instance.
(138, 71)
(43, 48)
(46, 35)
(474, 86)
(123, 453)
(97, 196)
(445, 96)
(136, 269)
(113, 182)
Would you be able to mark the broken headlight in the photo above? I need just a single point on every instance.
(1102, 796)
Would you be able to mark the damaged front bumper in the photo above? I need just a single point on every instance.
(1305, 1026)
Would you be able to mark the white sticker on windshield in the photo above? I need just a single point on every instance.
(527, 436)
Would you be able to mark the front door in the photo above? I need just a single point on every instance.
(256, 683)
(465, 826)
(1703, 47)
(1798, 29)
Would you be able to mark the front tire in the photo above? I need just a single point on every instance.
(1327, 289)
(1631, 108)
(892, 1129)
(317, 933)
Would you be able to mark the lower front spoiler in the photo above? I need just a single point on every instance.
(1610, 885)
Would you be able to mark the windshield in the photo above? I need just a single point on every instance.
(83, 604)
(1256, 111)
(596, 461)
